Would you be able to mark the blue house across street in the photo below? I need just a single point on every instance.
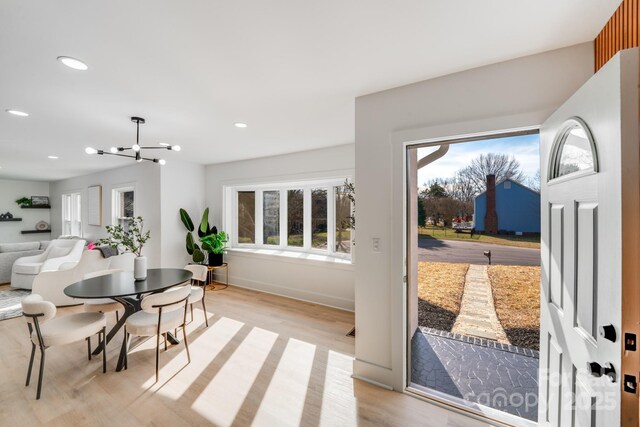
(517, 208)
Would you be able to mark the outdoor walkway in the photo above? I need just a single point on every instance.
(477, 317)
(496, 375)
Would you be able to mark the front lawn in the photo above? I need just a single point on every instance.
(445, 233)
(440, 287)
(516, 296)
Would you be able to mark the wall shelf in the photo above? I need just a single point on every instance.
(36, 207)
(35, 231)
(11, 219)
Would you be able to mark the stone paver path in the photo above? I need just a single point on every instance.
(477, 317)
(496, 378)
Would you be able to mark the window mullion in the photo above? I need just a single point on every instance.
(259, 218)
(283, 219)
(331, 219)
(306, 211)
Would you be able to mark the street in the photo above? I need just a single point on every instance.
(435, 250)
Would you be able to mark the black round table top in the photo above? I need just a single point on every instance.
(123, 284)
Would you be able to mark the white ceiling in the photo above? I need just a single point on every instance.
(290, 69)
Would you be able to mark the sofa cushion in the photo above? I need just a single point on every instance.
(27, 268)
(57, 252)
(18, 247)
(44, 244)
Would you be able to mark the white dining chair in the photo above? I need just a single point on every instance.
(161, 313)
(46, 330)
(102, 305)
(197, 292)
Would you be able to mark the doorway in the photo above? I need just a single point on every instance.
(474, 273)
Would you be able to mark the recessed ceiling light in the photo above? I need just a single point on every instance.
(17, 113)
(74, 63)
(53, 157)
(240, 125)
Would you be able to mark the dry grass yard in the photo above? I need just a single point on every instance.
(516, 295)
(440, 287)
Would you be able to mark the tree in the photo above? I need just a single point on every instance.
(533, 181)
(422, 214)
(436, 190)
(501, 165)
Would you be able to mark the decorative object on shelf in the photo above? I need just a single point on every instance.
(136, 148)
(39, 201)
(42, 225)
(133, 240)
(6, 216)
(23, 201)
(94, 205)
(3, 216)
(209, 237)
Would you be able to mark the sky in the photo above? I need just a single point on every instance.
(525, 148)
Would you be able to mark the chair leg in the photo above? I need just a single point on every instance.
(104, 349)
(33, 353)
(165, 341)
(89, 347)
(191, 305)
(157, 354)
(126, 347)
(117, 317)
(41, 374)
(204, 308)
(186, 343)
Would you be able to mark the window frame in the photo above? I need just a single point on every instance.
(75, 212)
(231, 218)
(115, 202)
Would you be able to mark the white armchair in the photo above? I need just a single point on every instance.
(50, 284)
(59, 253)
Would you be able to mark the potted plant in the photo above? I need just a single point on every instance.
(215, 245)
(23, 201)
(133, 240)
(212, 242)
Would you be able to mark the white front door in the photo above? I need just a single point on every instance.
(590, 202)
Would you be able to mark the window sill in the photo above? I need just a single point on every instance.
(293, 256)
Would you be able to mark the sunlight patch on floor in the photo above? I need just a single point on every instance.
(221, 399)
(288, 384)
(338, 382)
(209, 344)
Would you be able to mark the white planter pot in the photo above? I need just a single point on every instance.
(140, 268)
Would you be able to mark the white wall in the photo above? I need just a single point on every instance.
(182, 186)
(514, 94)
(317, 281)
(145, 177)
(12, 190)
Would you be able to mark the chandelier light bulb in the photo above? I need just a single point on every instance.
(176, 148)
(135, 147)
(90, 150)
(162, 161)
(114, 150)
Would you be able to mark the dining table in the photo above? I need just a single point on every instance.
(125, 289)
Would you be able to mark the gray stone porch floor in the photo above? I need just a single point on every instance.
(486, 374)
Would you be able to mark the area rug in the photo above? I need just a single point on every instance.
(10, 303)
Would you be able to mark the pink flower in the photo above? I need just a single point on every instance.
(91, 246)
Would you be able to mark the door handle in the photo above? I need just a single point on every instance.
(608, 332)
(597, 370)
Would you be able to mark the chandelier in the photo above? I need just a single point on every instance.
(136, 148)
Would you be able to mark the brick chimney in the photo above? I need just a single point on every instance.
(491, 217)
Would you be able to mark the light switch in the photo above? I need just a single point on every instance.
(375, 244)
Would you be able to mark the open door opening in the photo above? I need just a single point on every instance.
(475, 270)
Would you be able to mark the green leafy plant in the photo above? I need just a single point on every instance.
(24, 201)
(215, 243)
(204, 229)
(132, 239)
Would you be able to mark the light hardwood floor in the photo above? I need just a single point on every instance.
(264, 361)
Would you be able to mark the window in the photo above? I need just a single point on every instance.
(71, 215)
(312, 216)
(123, 206)
(574, 150)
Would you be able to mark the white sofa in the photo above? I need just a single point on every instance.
(59, 252)
(10, 252)
(50, 284)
